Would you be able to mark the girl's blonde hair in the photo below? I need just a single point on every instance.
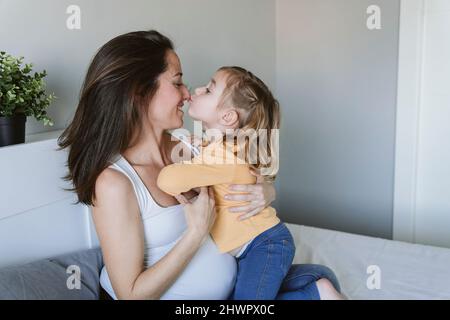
(257, 108)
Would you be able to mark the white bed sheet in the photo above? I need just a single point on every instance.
(407, 271)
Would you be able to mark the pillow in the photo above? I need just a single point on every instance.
(52, 279)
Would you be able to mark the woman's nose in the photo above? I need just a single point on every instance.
(198, 91)
(186, 94)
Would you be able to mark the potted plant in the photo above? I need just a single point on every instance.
(21, 95)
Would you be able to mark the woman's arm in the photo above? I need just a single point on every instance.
(119, 227)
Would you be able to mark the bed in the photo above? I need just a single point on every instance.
(43, 233)
(404, 271)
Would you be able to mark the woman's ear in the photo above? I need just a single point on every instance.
(229, 118)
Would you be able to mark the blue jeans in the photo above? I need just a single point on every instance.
(265, 270)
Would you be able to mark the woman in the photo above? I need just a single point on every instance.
(153, 247)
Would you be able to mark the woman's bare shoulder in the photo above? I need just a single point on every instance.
(112, 185)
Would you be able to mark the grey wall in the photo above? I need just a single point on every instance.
(207, 34)
(336, 81)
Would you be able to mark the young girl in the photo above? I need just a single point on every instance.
(236, 99)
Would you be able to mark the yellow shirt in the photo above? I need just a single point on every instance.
(218, 167)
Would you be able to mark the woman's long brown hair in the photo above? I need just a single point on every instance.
(120, 81)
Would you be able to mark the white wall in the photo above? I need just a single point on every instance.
(433, 174)
(422, 202)
(206, 33)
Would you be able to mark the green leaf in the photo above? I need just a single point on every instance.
(21, 91)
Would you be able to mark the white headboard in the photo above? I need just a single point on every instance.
(37, 217)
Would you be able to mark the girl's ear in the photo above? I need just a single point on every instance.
(229, 118)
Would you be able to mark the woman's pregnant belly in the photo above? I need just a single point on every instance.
(209, 275)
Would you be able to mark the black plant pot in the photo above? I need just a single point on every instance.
(12, 130)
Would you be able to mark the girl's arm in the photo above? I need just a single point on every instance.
(178, 178)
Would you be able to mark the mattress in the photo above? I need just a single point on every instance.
(374, 268)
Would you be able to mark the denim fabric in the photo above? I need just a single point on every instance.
(265, 270)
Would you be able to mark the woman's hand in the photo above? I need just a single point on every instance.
(200, 213)
(259, 195)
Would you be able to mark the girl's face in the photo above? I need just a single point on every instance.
(204, 102)
(165, 109)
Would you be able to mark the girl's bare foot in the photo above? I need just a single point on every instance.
(327, 290)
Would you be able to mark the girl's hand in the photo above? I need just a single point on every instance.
(200, 213)
(259, 195)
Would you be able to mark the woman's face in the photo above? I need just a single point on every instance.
(165, 109)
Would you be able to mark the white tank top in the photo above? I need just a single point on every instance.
(209, 275)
